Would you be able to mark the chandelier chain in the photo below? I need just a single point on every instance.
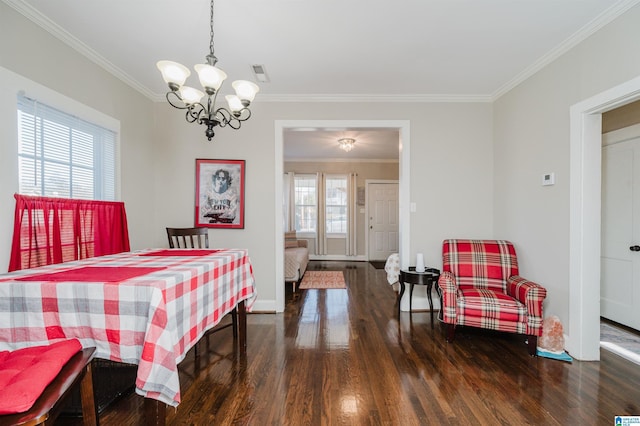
(211, 33)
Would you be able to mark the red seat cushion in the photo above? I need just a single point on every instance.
(492, 305)
(26, 372)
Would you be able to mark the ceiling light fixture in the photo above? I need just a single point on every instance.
(211, 78)
(346, 143)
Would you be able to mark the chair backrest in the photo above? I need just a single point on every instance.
(480, 263)
(188, 237)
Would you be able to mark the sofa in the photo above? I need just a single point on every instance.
(296, 258)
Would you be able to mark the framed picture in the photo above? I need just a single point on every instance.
(220, 193)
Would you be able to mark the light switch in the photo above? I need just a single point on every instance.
(412, 208)
(548, 179)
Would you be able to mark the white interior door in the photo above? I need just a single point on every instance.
(620, 252)
(383, 213)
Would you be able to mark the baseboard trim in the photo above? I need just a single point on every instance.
(337, 257)
(264, 307)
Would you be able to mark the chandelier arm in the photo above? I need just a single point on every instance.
(245, 113)
(194, 113)
(234, 123)
(211, 103)
(224, 117)
(177, 96)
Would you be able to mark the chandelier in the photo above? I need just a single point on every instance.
(211, 77)
(346, 143)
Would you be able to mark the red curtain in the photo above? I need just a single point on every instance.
(55, 230)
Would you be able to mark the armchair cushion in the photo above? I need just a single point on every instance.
(491, 309)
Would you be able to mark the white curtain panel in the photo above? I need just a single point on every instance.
(287, 201)
(321, 240)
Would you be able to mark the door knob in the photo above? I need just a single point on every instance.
(634, 248)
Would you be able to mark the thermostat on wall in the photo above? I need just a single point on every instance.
(548, 179)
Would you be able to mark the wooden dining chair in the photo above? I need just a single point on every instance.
(188, 237)
(192, 238)
(36, 363)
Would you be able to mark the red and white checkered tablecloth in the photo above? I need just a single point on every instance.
(149, 316)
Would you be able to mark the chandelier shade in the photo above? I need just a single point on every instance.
(201, 106)
(211, 78)
(173, 73)
(190, 95)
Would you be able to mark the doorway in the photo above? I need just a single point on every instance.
(585, 216)
(404, 172)
(620, 265)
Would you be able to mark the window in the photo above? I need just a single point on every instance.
(306, 203)
(336, 204)
(60, 155)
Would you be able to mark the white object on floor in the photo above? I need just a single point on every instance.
(392, 268)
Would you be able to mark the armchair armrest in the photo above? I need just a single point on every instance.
(448, 296)
(531, 295)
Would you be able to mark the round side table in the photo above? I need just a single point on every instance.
(411, 277)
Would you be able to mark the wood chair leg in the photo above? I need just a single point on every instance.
(532, 345)
(450, 330)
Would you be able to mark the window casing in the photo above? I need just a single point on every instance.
(60, 155)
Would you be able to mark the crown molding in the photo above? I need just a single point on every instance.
(360, 98)
(375, 98)
(592, 27)
(60, 33)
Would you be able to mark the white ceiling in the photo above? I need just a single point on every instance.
(322, 144)
(467, 50)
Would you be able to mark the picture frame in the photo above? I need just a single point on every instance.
(219, 193)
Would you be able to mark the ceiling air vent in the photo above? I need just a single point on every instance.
(260, 73)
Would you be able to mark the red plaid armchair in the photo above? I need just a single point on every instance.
(480, 287)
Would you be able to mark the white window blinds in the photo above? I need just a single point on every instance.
(60, 155)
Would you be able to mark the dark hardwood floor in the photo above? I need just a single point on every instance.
(341, 357)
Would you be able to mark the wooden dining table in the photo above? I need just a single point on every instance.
(146, 307)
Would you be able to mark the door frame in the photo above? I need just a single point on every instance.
(585, 165)
(366, 207)
(404, 169)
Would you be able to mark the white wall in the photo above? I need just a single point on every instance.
(532, 130)
(451, 173)
(34, 61)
